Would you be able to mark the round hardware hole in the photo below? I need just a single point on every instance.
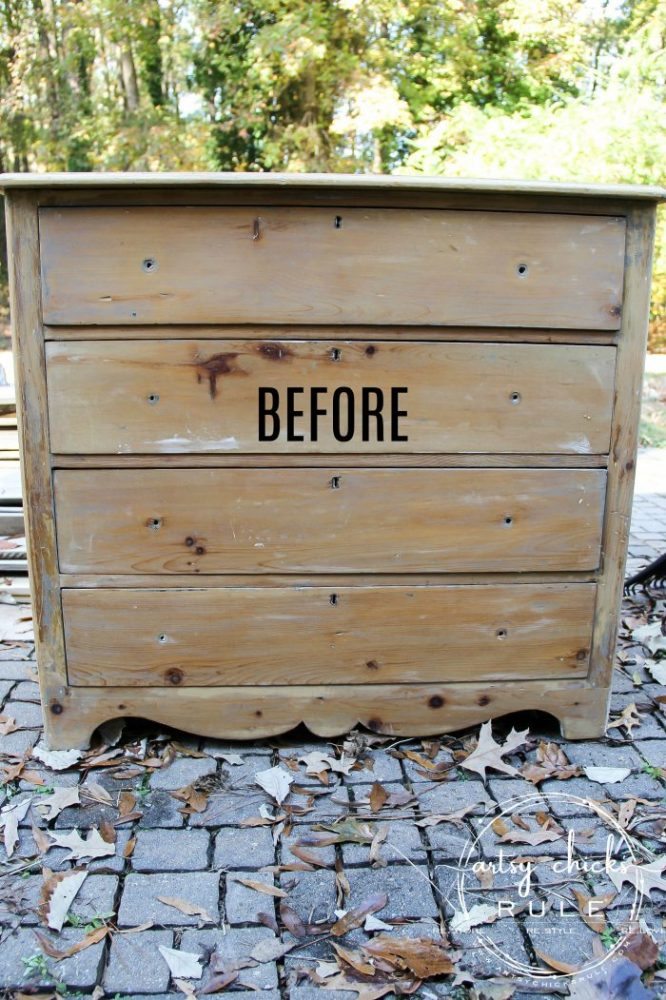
(501, 633)
(515, 398)
(162, 638)
(522, 270)
(153, 398)
(508, 520)
(149, 264)
(155, 523)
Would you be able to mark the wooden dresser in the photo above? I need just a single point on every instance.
(326, 449)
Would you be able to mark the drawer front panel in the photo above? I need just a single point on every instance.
(319, 265)
(328, 520)
(188, 396)
(309, 635)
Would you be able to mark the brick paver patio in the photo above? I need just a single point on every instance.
(160, 852)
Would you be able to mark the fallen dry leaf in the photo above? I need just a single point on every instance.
(355, 917)
(270, 950)
(345, 831)
(41, 839)
(555, 963)
(52, 805)
(641, 949)
(551, 762)
(56, 760)
(480, 913)
(644, 878)
(10, 817)
(365, 990)
(489, 754)
(591, 907)
(182, 964)
(607, 775)
(309, 857)
(57, 895)
(455, 817)
(7, 725)
(269, 890)
(378, 797)
(531, 837)
(196, 800)
(94, 846)
(423, 957)
(93, 938)
(191, 909)
(628, 719)
(96, 793)
(276, 781)
(355, 959)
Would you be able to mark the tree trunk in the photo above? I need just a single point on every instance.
(129, 80)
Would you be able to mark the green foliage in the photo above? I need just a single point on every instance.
(560, 89)
(36, 966)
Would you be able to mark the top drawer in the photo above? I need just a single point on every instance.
(336, 266)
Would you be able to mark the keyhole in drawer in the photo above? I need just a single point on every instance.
(153, 398)
(155, 523)
(336, 354)
(522, 270)
(501, 633)
(508, 520)
(333, 599)
(335, 483)
(337, 222)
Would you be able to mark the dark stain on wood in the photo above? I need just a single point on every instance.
(582, 654)
(372, 665)
(200, 550)
(174, 676)
(189, 541)
(274, 352)
(483, 699)
(213, 367)
(370, 350)
(436, 701)
(375, 725)
(56, 708)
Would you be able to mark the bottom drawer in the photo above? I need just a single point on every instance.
(315, 635)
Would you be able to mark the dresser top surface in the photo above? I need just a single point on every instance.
(268, 181)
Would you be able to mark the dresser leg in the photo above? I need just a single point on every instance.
(589, 725)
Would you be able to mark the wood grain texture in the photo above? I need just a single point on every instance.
(189, 396)
(624, 439)
(188, 581)
(31, 403)
(387, 185)
(313, 265)
(378, 461)
(394, 709)
(328, 520)
(291, 635)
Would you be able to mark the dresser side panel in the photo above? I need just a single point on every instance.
(624, 438)
(32, 412)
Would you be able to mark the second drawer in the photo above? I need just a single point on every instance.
(133, 521)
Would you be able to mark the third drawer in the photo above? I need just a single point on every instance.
(147, 521)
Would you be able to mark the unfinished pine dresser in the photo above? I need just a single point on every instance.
(326, 449)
